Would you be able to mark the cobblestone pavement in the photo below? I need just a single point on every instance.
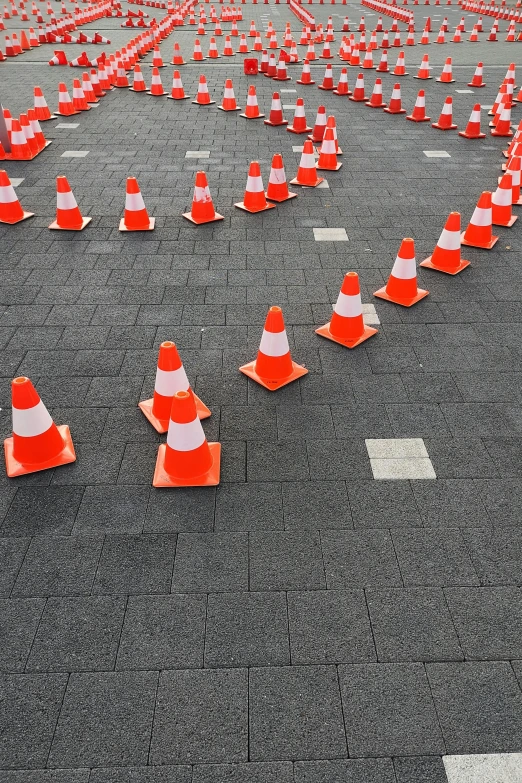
(304, 622)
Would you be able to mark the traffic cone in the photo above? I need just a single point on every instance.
(305, 76)
(37, 443)
(317, 134)
(65, 105)
(476, 80)
(138, 83)
(503, 127)
(276, 112)
(186, 459)
(170, 379)
(87, 88)
(446, 76)
(252, 108)
(401, 287)
(229, 99)
(446, 256)
(328, 79)
(40, 106)
(156, 86)
(395, 105)
(68, 215)
(501, 202)
(157, 60)
(121, 77)
(514, 166)
(281, 72)
(473, 127)
(27, 130)
(277, 185)
(347, 326)
(37, 130)
(197, 55)
(95, 82)
(327, 154)
(60, 58)
(383, 65)
(136, 217)
(342, 87)
(228, 50)
(446, 116)
(79, 101)
(400, 68)
(424, 69)
(11, 210)
(368, 60)
(202, 207)
(177, 58)
(479, 231)
(20, 149)
(254, 199)
(326, 53)
(419, 110)
(203, 97)
(376, 101)
(213, 53)
(273, 368)
(358, 91)
(307, 171)
(299, 122)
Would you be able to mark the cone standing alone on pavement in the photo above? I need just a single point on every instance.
(136, 217)
(446, 256)
(202, 206)
(68, 215)
(11, 210)
(401, 287)
(254, 199)
(347, 326)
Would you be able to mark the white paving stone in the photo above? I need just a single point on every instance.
(370, 316)
(396, 448)
(488, 768)
(330, 235)
(15, 181)
(436, 154)
(406, 469)
(288, 105)
(324, 184)
(68, 125)
(197, 154)
(281, 91)
(75, 154)
(465, 92)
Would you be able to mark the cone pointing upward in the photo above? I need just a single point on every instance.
(202, 207)
(446, 256)
(68, 215)
(347, 326)
(10, 208)
(136, 217)
(277, 185)
(307, 172)
(479, 232)
(254, 199)
(401, 287)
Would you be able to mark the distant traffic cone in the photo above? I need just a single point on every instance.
(476, 80)
(503, 126)
(79, 102)
(305, 76)
(368, 60)
(65, 105)
(229, 99)
(307, 171)
(277, 185)
(299, 124)
(317, 134)
(501, 203)
(170, 379)
(400, 68)
(347, 326)
(68, 215)
(479, 231)
(281, 72)
(37, 443)
(446, 76)
(254, 199)
(136, 217)
(445, 121)
(276, 112)
(383, 65)
(473, 127)
(424, 69)
(274, 367)
(328, 79)
(138, 83)
(202, 206)
(203, 97)
(419, 110)
(177, 58)
(11, 210)
(401, 287)
(186, 459)
(376, 101)
(327, 154)
(197, 54)
(252, 108)
(395, 105)
(446, 256)
(342, 86)
(358, 91)
(40, 106)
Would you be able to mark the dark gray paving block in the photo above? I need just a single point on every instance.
(77, 634)
(496, 554)
(106, 719)
(189, 510)
(329, 627)
(127, 424)
(12, 553)
(246, 629)
(163, 632)
(177, 774)
(233, 462)
(383, 504)
(488, 386)
(316, 505)
(247, 423)
(257, 772)
(222, 389)
(433, 558)
(317, 390)
(389, 710)
(59, 565)
(188, 721)
(338, 459)
(86, 424)
(502, 499)
(95, 464)
(361, 420)
(112, 510)
(295, 712)
(252, 506)
(430, 387)
(417, 420)
(488, 621)
(46, 776)
(378, 388)
(359, 559)
(207, 562)
(345, 771)
(114, 391)
(450, 503)
(506, 454)
(19, 620)
(137, 465)
(429, 769)
(42, 511)
(28, 714)
(277, 461)
(462, 457)
(479, 705)
(135, 564)
(286, 561)
(304, 421)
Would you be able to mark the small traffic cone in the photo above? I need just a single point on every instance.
(202, 207)
(281, 72)
(197, 55)
(156, 86)
(27, 130)
(178, 93)
(401, 287)
(514, 166)
(157, 60)
(347, 326)
(186, 459)
(170, 379)
(68, 215)
(328, 79)
(79, 101)
(228, 50)
(177, 58)
(37, 443)
(87, 88)
(37, 130)
(20, 149)
(503, 126)
(342, 86)
(383, 65)
(368, 60)
(376, 101)
(358, 91)
(11, 210)
(419, 110)
(273, 368)
(441, 37)
(40, 106)
(400, 68)
(277, 185)
(299, 124)
(501, 203)
(65, 105)
(446, 116)
(95, 82)
(307, 171)
(446, 256)
(328, 154)
(476, 80)
(395, 105)
(317, 134)
(229, 99)
(252, 108)
(254, 199)
(213, 53)
(479, 231)
(330, 123)
(446, 76)
(203, 97)
(136, 217)
(326, 53)
(60, 58)
(424, 69)
(473, 127)
(276, 112)
(138, 83)
(305, 76)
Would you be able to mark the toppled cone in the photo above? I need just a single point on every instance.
(401, 287)
(347, 326)
(446, 256)
(202, 206)
(68, 215)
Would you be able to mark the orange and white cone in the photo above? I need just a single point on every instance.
(37, 443)
(328, 154)
(136, 217)
(177, 58)
(79, 102)
(157, 60)
(186, 459)
(203, 97)
(227, 49)
(281, 74)
(68, 215)
(37, 130)
(342, 86)
(307, 171)
(11, 210)
(347, 326)
(395, 105)
(317, 134)
(473, 127)
(306, 77)
(138, 82)
(276, 112)
(503, 126)
(446, 256)
(514, 166)
(299, 124)
(88, 90)
(252, 107)
(476, 80)
(401, 287)
(178, 92)
(197, 55)
(445, 121)
(229, 99)
(202, 206)
(273, 367)
(20, 148)
(424, 69)
(328, 83)
(358, 91)
(156, 86)
(383, 65)
(368, 60)
(277, 185)
(419, 110)
(479, 231)
(376, 101)
(400, 67)
(170, 379)
(213, 53)
(446, 76)
(254, 199)
(40, 106)
(501, 203)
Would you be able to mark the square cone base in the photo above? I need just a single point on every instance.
(421, 293)
(185, 97)
(324, 331)
(428, 265)
(423, 78)
(285, 79)
(188, 216)
(197, 103)
(238, 108)
(512, 220)
(162, 425)
(445, 81)
(306, 185)
(374, 106)
(326, 89)
(290, 129)
(414, 119)
(131, 89)
(276, 124)
(241, 205)
(439, 127)
(489, 245)
(123, 227)
(281, 200)
(52, 117)
(389, 111)
(67, 455)
(322, 168)
(157, 94)
(476, 136)
(209, 479)
(85, 222)
(300, 82)
(25, 216)
(250, 370)
(259, 116)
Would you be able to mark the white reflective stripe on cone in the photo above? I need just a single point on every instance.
(277, 177)
(229, 92)
(404, 268)
(481, 216)
(168, 382)
(30, 422)
(18, 137)
(328, 147)
(276, 105)
(274, 343)
(307, 161)
(134, 202)
(396, 94)
(449, 240)
(66, 201)
(7, 194)
(475, 117)
(202, 194)
(348, 305)
(39, 102)
(254, 184)
(252, 100)
(203, 89)
(185, 437)
(502, 197)
(447, 108)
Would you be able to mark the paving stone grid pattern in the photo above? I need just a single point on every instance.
(303, 622)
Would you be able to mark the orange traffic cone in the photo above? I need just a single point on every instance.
(342, 86)
(514, 166)
(328, 154)
(68, 215)
(177, 58)
(252, 107)
(277, 185)
(446, 256)
(178, 92)
(347, 326)
(401, 287)
(419, 110)
(476, 80)
(305, 76)
(307, 171)
(202, 206)
(358, 91)
(203, 97)
(136, 217)
(424, 70)
(157, 60)
(213, 53)
(186, 459)
(328, 83)
(40, 106)
(400, 67)
(254, 199)
(273, 367)
(37, 443)
(299, 122)
(11, 210)
(229, 99)
(446, 76)
(501, 202)
(317, 134)
(79, 102)
(376, 101)
(170, 378)
(156, 86)
(446, 116)
(479, 231)
(473, 127)
(503, 126)
(395, 105)
(276, 112)
(197, 55)
(138, 82)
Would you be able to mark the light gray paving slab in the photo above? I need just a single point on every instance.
(402, 468)
(436, 154)
(75, 154)
(197, 154)
(396, 448)
(330, 235)
(484, 768)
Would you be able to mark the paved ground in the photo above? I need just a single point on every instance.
(303, 623)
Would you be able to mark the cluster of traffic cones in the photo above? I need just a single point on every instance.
(25, 135)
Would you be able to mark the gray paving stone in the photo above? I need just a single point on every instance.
(12, 553)
(188, 510)
(46, 776)
(359, 559)
(207, 562)
(281, 461)
(383, 504)
(338, 459)
(18, 623)
(496, 554)
(112, 510)
(95, 464)
(502, 499)
(285, 561)
(345, 771)
(252, 506)
(257, 772)
(429, 769)
(433, 558)
(449, 503)
(166, 774)
(316, 505)
(42, 511)
(305, 421)
(135, 564)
